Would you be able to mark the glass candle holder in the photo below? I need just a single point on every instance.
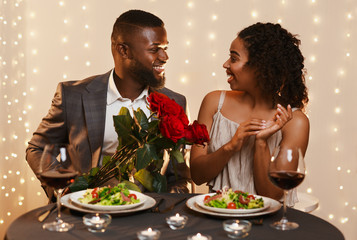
(148, 234)
(237, 229)
(199, 236)
(97, 222)
(177, 221)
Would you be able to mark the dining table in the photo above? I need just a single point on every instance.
(126, 224)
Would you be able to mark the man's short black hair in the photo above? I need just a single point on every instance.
(129, 21)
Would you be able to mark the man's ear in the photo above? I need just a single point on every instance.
(123, 49)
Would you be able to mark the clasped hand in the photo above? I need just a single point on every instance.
(262, 129)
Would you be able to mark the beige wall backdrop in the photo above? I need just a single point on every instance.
(43, 42)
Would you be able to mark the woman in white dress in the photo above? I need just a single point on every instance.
(265, 109)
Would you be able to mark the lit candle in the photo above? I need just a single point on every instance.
(198, 236)
(177, 221)
(236, 226)
(177, 218)
(97, 220)
(149, 232)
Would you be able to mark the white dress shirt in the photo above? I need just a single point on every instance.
(114, 103)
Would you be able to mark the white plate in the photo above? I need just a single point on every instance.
(200, 202)
(191, 203)
(67, 202)
(76, 195)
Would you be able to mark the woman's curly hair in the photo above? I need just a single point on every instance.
(275, 56)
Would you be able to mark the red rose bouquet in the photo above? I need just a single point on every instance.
(142, 141)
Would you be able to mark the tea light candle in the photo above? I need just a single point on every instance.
(237, 229)
(148, 234)
(177, 218)
(177, 221)
(236, 226)
(199, 236)
(96, 222)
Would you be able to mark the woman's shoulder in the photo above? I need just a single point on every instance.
(300, 116)
(216, 95)
(298, 122)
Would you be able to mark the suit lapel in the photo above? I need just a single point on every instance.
(94, 104)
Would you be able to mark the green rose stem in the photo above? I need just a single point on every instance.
(112, 167)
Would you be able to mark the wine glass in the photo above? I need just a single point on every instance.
(286, 171)
(57, 171)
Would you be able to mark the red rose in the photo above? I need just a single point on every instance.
(163, 106)
(197, 133)
(172, 128)
(155, 99)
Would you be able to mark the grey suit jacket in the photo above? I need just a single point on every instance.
(77, 117)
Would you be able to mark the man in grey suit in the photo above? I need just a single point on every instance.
(82, 112)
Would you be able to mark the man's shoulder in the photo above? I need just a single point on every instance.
(171, 94)
(94, 82)
(179, 98)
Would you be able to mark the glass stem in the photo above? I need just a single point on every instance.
(284, 219)
(59, 194)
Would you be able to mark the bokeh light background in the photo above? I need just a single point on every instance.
(43, 42)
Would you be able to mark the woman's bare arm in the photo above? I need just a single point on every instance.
(295, 132)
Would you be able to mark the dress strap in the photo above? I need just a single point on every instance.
(221, 100)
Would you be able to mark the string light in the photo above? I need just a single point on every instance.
(254, 14)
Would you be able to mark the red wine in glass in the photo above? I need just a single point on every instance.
(58, 179)
(57, 171)
(286, 171)
(286, 179)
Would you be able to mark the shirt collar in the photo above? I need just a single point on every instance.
(113, 93)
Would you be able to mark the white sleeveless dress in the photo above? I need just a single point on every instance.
(238, 173)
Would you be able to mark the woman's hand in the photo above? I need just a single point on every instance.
(245, 130)
(281, 117)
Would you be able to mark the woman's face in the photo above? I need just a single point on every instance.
(240, 77)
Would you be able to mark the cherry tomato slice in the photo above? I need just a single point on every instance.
(232, 205)
(206, 198)
(94, 193)
(251, 197)
(132, 195)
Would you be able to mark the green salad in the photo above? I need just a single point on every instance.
(227, 198)
(118, 195)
